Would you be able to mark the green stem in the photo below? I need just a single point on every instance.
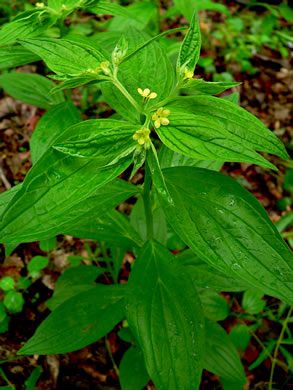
(108, 347)
(123, 90)
(147, 202)
(274, 361)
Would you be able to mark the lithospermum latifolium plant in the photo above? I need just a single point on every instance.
(182, 141)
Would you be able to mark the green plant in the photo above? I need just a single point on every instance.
(247, 34)
(170, 302)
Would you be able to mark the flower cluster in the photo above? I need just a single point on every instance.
(142, 136)
(104, 68)
(160, 117)
(146, 94)
(188, 74)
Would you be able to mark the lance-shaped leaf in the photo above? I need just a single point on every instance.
(106, 146)
(251, 132)
(202, 87)
(205, 138)
(157, 75)
(78, 322)
(27, 24)
(132, 371)
(30, 88)
(229, 229)
(12, 56)
(207, 277)
(221, 356)
(73, 281)
(165, 315)
(78, 220)
(168, 158)
(65, 56)
(55, 185)
(190, 47)
(52, 123)
(110, 226)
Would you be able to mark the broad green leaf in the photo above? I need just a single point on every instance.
(48, 245)
(55, 186)
(64, 56)
(229, 229)
(233, 98)
(91, 208)
(12, 56)
(30, 88)
(214, 305)
(165, 315)
(250, 131)
(221, 356)
(73, 281)
(149, 41)
(186, 7)
(207, 277)
(190, 48)
(106, 147)
(13, 301)
(111, 226)
(27, 24)
(202, 87)
(7, 283)
(9, 248)
(132, 371)
(50, 126)
(204, 138)
(139, 15)
(37, 263)
(240, 336)
(148, 68)
(57, 4)
(252, 301)
(168, 158)
(78, 322)
(107, 8)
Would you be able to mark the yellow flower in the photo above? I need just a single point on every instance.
(64, 7)
(160, 117)
(147, 94)
(188, 74)
(40, 5)
(142, 136)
